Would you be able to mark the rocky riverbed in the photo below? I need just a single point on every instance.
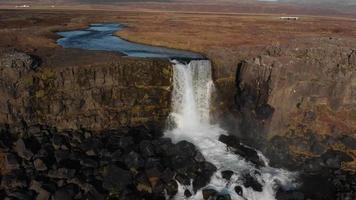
(320, 178)
(135, 163)
(40, 162)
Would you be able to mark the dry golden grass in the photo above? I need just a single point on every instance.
(219, 36)
(211, 33)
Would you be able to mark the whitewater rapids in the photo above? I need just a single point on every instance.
(192, 90)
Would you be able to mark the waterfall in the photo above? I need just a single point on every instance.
(191, 94)
(192, 89)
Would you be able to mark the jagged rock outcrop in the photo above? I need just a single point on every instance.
(114, 93)
(11, 58)
(298, 101)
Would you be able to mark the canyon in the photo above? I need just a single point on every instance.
(292, 96)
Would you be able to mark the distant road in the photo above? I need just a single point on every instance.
(255, 9)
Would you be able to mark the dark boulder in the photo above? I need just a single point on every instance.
(133, 160)
(200, 182)
(21, 150)
(13, 180)
(116, 156)
(250, 181)
(93, 194)
(60, 155)
(159, 190)
(21, 194)
(244, 151)
(187, 193)
(147, 149)
(227, 174)
(90, 146)
(182, 179)
(46, 152)
(70, 164)
(61, 173)
(111, 141)
(184, 165)
(89, 173)
(6, 138)
(89, 162)
(34, 130)
(66, 193)
(229, 140)
(49, 185)
(39, 165)
(185, 149)
(207, 169)
(142, 183)
(58, 141)
(153, 175)
(126, 143)
(167, 175)
(209, 193)
(249, 154)
(164, 147)
(153, 162)
(11, 162)
(33, 144)
(204, 173)
(223, 196)
(238, 189)
(199, 157)
(3, 146)
(115, 178)
(77, 138)
(140, 133)
(105, 153)
(42, 194)
(2, 194)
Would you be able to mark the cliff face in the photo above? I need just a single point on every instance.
(114, 92)
(298, 100)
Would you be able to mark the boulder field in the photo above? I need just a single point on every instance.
(42, 163)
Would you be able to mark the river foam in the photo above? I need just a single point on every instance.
(190, 120)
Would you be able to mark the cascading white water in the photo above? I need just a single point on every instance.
(192, 89)
(191, 84)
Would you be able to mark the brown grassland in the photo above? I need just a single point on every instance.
(217, 35)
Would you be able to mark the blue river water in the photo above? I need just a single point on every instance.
(100, 37)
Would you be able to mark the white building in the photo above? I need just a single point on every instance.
(289, 18)
(22, 6)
